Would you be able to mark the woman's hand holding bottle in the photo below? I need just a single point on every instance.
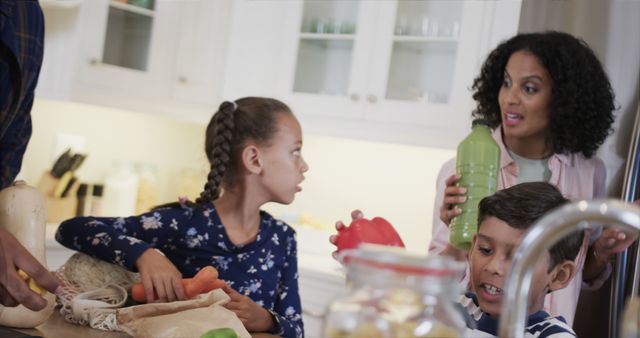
(452, 195)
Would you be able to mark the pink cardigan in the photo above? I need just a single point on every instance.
(576, 177)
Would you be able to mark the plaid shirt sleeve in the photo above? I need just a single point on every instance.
(21, 50)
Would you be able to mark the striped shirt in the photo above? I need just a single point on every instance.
(539, 324)
(21, 50)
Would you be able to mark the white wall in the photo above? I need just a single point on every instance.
(389, 180)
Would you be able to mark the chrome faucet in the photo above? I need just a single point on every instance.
(545, 233)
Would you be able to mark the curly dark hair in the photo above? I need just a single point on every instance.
(521, 205)
(582, 101)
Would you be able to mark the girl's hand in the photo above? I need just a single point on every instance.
(254, 317)
(333, 239)
(158, 274)
(452, 195)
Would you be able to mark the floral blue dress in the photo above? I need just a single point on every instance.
(265, 270)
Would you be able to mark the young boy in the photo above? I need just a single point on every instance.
(503, 219)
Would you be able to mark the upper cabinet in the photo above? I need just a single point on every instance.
(160, 56)
(386, 70)
(201, 50)
(395, 71)
(126, 44)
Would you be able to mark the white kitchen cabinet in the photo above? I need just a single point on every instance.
(152, 55)
(383, 70)
(204, 29)
(126, 48)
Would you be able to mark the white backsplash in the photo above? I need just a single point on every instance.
(393, 181)
(114, 135)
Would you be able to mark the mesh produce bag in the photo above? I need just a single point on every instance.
(94, 293)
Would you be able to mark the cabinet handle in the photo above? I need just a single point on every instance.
(372, 98)
(182, 79)
(354, 97)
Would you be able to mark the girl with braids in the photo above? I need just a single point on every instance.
(254, 148)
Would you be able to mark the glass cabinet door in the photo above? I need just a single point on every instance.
(423, 52)
(326, 47)
(426, 61)
(128, 34)
(130, 48)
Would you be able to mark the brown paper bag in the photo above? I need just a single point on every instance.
(188, 318)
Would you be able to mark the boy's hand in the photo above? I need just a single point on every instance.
(158, 274)
(333, 239)
(254, 317)
(611, 242)
(452, 195)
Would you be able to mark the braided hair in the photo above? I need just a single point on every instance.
(235, 123)
(582, 101)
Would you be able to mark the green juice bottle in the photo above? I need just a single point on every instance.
(478, 162)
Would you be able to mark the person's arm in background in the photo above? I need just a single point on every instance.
(130, 242)
(21, 50)
(603, 250)
(446, 194)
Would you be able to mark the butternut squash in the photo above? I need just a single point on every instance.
(22, 214)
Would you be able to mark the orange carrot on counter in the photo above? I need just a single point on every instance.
(204, 281)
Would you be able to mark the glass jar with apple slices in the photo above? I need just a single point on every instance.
(395, 293)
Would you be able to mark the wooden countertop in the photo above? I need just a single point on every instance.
(56, 327)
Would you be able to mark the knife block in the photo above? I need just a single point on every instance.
(57, 209)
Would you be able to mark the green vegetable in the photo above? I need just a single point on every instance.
(220, 333)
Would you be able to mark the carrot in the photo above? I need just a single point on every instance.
(204, 281)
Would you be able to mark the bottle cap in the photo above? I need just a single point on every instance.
(483, 122)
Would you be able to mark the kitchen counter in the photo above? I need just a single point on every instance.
(56, 327)
(322, 278)
(56, 254)
(314, 252)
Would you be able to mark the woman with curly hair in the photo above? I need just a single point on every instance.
(551, 106)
